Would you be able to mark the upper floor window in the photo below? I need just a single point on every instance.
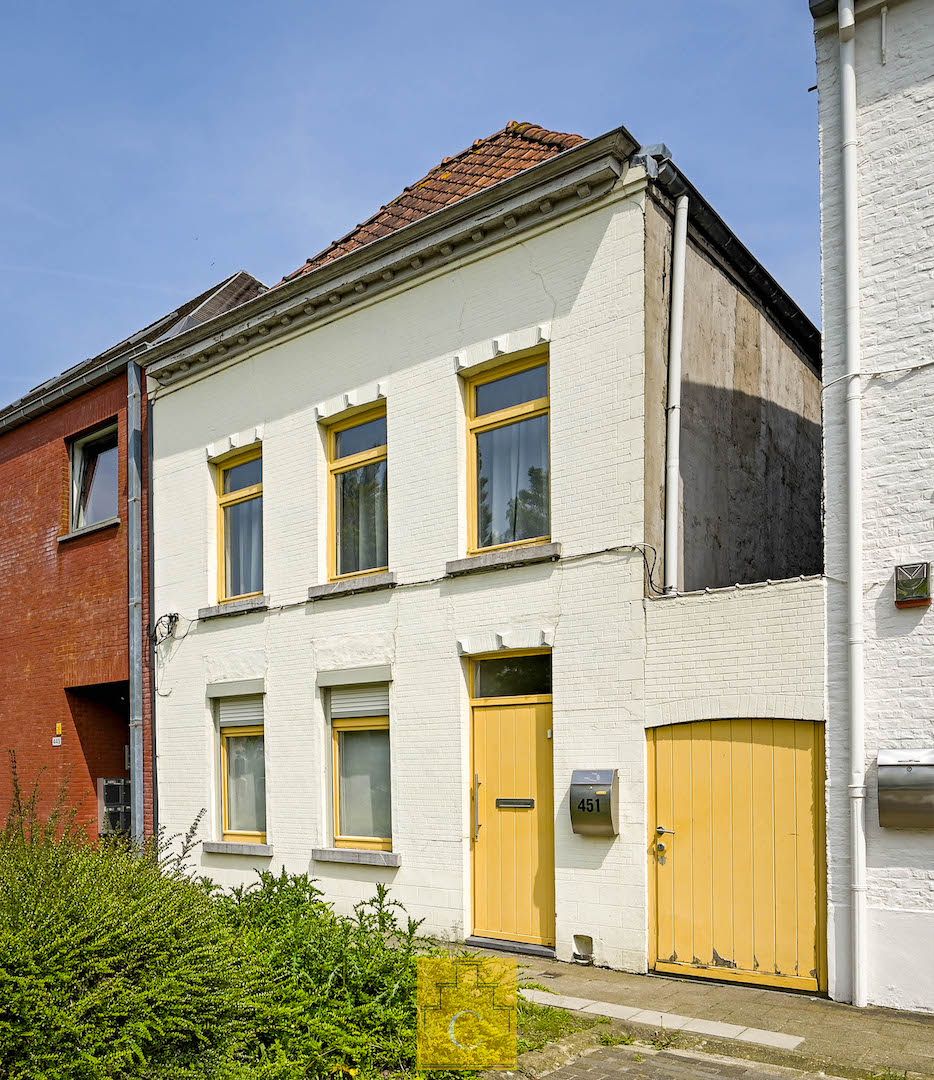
(94, 475)
(358, 541)
(509, 486)
(240, 525)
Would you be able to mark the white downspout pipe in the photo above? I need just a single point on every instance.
(673, 433)
(854, 500)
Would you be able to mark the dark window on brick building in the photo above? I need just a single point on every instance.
(94, 466)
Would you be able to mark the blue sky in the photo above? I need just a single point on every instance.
(151, 149)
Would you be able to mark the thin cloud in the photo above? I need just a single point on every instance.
(96, 279)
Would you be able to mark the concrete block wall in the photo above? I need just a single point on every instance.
(582, 284)
(895, 121)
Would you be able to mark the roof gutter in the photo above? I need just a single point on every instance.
(92, 372)
(733, 255)
(64, 388)
(574, 178)
(824, 12)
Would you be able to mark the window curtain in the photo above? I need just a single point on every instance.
(246, 784)
(365, 808)
(362, 495)
(244, 533)
(513, 482)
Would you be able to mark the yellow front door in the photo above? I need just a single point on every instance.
(735, 850)
(513, 823)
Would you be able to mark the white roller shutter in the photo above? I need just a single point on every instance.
(369, 700)
(241, 711)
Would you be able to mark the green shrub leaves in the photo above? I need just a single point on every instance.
(115, 962)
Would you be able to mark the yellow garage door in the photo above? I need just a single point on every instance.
(736, 851)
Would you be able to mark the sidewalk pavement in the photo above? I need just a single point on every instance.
(645, 1063)
(804, 1030)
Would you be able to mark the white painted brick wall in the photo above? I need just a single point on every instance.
(585, 279)
(896, 197)
(619, 661)
(752, 651)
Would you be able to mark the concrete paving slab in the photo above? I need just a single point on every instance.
(770, 1038)
(608, 1008)
(714, 1027)
(538, 997)
(664, 1020)
(564, 1001)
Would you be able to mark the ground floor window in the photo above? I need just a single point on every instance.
(243, 770)
(361, 767)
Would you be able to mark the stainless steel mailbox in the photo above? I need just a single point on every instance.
(906, 789)
(595, 802)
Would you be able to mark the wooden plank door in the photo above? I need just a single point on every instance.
(735, 848)
(513, 823)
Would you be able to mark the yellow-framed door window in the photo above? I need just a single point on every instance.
(358, 495)
(520, 677)
(243, 784)
(362, 783)
(508, 479)
(240, 526)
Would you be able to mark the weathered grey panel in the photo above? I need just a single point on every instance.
(750, 428)
(657, 309)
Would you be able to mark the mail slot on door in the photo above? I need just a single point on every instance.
(906, 789)
(595, 802)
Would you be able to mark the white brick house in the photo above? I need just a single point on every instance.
(566, 261)
(891, 46)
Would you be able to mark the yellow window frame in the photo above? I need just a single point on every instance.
(502, 654)
(477, 425)
(224, 501)
(336, 466)
(228, 733)
(354, 723)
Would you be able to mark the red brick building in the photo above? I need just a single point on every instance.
(67, 683)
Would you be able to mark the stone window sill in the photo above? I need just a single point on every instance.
(357, 855)
(352, 586)
(98, 526)
(223, 847)
(234, 607)
(502, 560)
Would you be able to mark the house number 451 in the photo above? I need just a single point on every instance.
(588, 806)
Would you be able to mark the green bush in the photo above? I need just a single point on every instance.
(342, 990)
(113, 962)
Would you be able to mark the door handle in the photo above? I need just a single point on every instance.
(476, 807)
(661, 830)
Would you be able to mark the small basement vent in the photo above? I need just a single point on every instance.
(113, 803)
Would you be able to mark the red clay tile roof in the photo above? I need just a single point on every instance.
(497, 157)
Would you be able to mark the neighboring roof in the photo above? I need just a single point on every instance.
(225, 295)
(822, 7)
(500, 156)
